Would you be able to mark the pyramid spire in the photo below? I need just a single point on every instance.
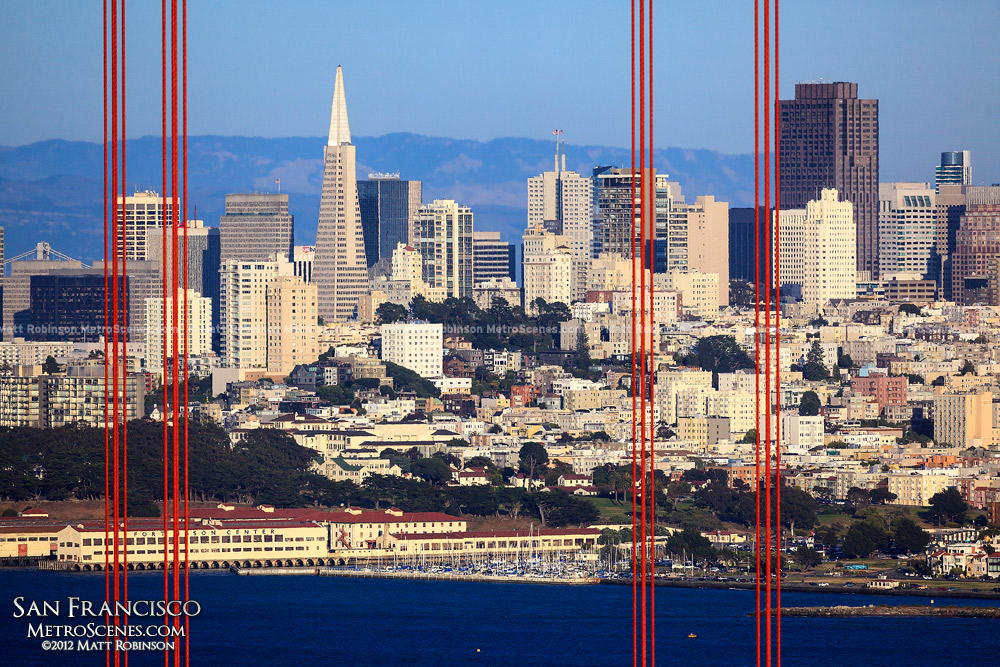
(340, 129)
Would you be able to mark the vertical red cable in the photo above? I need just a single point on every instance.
(756, 209)
(175, 205)
(114, 297)
(187, 494)
(635, 377)
(163, 332)
(643, 221)
(107, 433)
(124, 319)
(652, 358)
(777, 332)
(767, 322)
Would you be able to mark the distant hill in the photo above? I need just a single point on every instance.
(51, 190)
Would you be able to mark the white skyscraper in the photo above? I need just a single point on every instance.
(547, 268)
(159, 330)
(561, 202)
(906, 230)
(817, 249)
(243, 314)
(339, 269)
(443, 231)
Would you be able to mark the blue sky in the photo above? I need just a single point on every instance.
(483, 70)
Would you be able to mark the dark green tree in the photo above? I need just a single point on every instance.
(908, 536)
(532, 458)
(948, 505)
(51, 366)
(857, 544)
(337, 394)
(810, 404)
(388, 313)
(432, 469)
(814, 369)
(721, 354)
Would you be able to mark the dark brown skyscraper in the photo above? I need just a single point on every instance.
(829, 139)
(976, 263)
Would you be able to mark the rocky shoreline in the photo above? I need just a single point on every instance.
(844, 611)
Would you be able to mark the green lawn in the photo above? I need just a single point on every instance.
(611, 511)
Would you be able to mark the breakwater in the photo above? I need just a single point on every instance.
(845, 611)
(802, 587)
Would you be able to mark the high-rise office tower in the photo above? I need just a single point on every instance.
(388, 206)
(614, 207)
(194, 321)
(204, 252)
(949, 207)
(291, 324)
(561, 202)
(68, 304)
(547, 268)
(906, 231)
(975, 266)
(492, 257)
(243, 320)
(829, 139)
(145, 212)
(17, 291)
(955, 169)
(743, 241)
(695, 237)
(256, 226)
(144, 282)
(817, 247)
(443, 232)
(339, 269)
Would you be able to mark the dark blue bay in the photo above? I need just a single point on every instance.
(307, 620)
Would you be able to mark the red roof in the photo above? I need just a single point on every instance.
(342, 516)
(538, 532)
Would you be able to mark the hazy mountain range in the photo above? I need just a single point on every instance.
(51, 190)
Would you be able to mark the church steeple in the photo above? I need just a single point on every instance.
(340, 129)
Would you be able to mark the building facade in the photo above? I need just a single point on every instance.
(243, 314)
(492, 258)
(907, 231)
(415, 345)
(255, 227)
(977, 248)
(829, 139)
(443, 231)
(955, 169)
(561, 202)
(196, 325)
(291, 324)
(388, 207)
(339, 268)
(547, 268)
(816, 249)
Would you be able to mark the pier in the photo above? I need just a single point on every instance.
(422, 576)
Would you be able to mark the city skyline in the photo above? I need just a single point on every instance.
(917, 127)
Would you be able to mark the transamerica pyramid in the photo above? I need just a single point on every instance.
(339, 268)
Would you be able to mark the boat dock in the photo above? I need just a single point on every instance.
(423, 576)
